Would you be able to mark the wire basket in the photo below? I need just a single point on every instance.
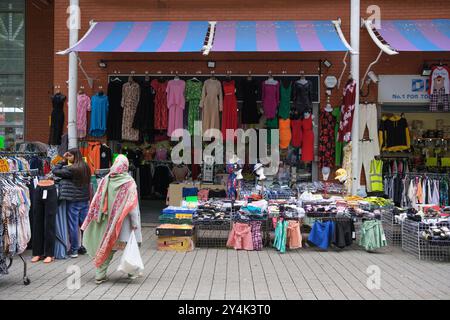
(413, 243)
(212, 234)
(392, 229)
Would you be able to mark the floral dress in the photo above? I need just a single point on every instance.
(193, 97)
(161, 110)
(327, 139)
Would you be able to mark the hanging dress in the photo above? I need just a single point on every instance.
(83, 106)
(130, 100)
(308, 140)
(175, 104)
(327, 140)
(57, 120)
(285, 101)
(297, 133)
(193, 97)
(211, 104)
(145, 113)
(251, 92)
(229, 114)
(161, 111)
(285, 133)
(115, 114)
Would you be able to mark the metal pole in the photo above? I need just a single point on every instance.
(355, 18)
(73, 74)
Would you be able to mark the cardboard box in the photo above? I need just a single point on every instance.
(167, 231)
(178, 244)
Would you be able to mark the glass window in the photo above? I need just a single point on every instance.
(12, 71)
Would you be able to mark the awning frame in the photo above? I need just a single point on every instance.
(92, 25)
(386, 48)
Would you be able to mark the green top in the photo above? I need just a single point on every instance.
(285, 102)
(193, 97)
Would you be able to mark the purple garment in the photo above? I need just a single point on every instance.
(270, 99)
(175, 103)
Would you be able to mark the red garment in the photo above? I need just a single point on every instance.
(297, 133)
(229, 113)
(308, 140)
(161, 110)
(348, 106)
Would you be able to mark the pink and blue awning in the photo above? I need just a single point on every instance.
(275, 36)
(416, 35)
(222, 36)
(158, 36)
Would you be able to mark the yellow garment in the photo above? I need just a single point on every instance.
(57, 159)
(376, 175)
(382, 137)
(4, 166)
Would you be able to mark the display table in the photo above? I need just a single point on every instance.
(175, 193)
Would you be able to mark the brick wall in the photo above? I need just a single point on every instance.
(39, 70)
(144, 10)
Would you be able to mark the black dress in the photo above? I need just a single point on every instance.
(302, 96)
(144, 118)
(57, 120)
(115, 114)
(250, 94)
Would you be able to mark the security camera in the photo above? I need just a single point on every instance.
(373, 77)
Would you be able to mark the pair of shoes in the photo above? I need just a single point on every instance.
(49, 260)
(73, 255)
(36, 259)
(82, 250)
(132, 276)
(100, 281)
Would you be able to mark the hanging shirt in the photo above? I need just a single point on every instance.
(442, 72)
(99, 113)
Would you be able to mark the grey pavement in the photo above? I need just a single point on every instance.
(216, 274)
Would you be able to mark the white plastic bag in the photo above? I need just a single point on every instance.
(131, 261)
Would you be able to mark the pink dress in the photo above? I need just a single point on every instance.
(270, 99)
(83, 106)
(175, 103)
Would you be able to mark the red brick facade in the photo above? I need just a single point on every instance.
(43, 64)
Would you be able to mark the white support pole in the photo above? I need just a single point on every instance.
(355, 21)
(73, 76)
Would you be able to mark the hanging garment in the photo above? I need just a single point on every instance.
(420, 198)
(62, 244)
(99, 114)
(347, 109)
(257, 235)
(161, 111)
(145, 113)
(440, 77)
(175, 103)
(270, 98)
(435, 193)
(83, 106)
(338, 144)
(285, 100)
(105, 157)
(347, 165)
(229, 114)
(294, 236)
(251, 91)
(394, 134)
(240, 237)
(302, 96)
(437, 98)
(297, 133)
(368, 149)
(57, 119)
(115, 114)
(326, 140)
(270, 125)
(92, 154)
(285, 133)
(444, 193)
(193, 97)
(376, 176)
(211, 104)
(372, 235)
(343, 233)
(322, 234)
(130, 99)
(308, 140)
(281, 236)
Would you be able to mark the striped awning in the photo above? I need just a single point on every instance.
(415, 35)
(158, 36)
(275, 36)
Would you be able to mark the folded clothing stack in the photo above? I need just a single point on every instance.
(177, 215)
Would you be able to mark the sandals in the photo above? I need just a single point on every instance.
(36, 259)
(49, 260)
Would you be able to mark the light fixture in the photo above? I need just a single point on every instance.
(327, 63)
(102, 64)
(373, 77)
(426, 70)
(211, 64)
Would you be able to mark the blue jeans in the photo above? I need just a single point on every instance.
(77, 212)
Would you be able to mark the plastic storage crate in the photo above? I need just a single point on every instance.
(413, 243)
(392, 229)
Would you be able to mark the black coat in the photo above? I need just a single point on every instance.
(68, 190)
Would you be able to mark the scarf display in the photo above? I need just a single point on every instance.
(115, 198)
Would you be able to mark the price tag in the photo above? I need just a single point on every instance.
(35, 182)
(44, 195)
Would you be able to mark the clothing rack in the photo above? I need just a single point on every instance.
(22, 153)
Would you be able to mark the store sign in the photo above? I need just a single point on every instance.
(412, 89)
